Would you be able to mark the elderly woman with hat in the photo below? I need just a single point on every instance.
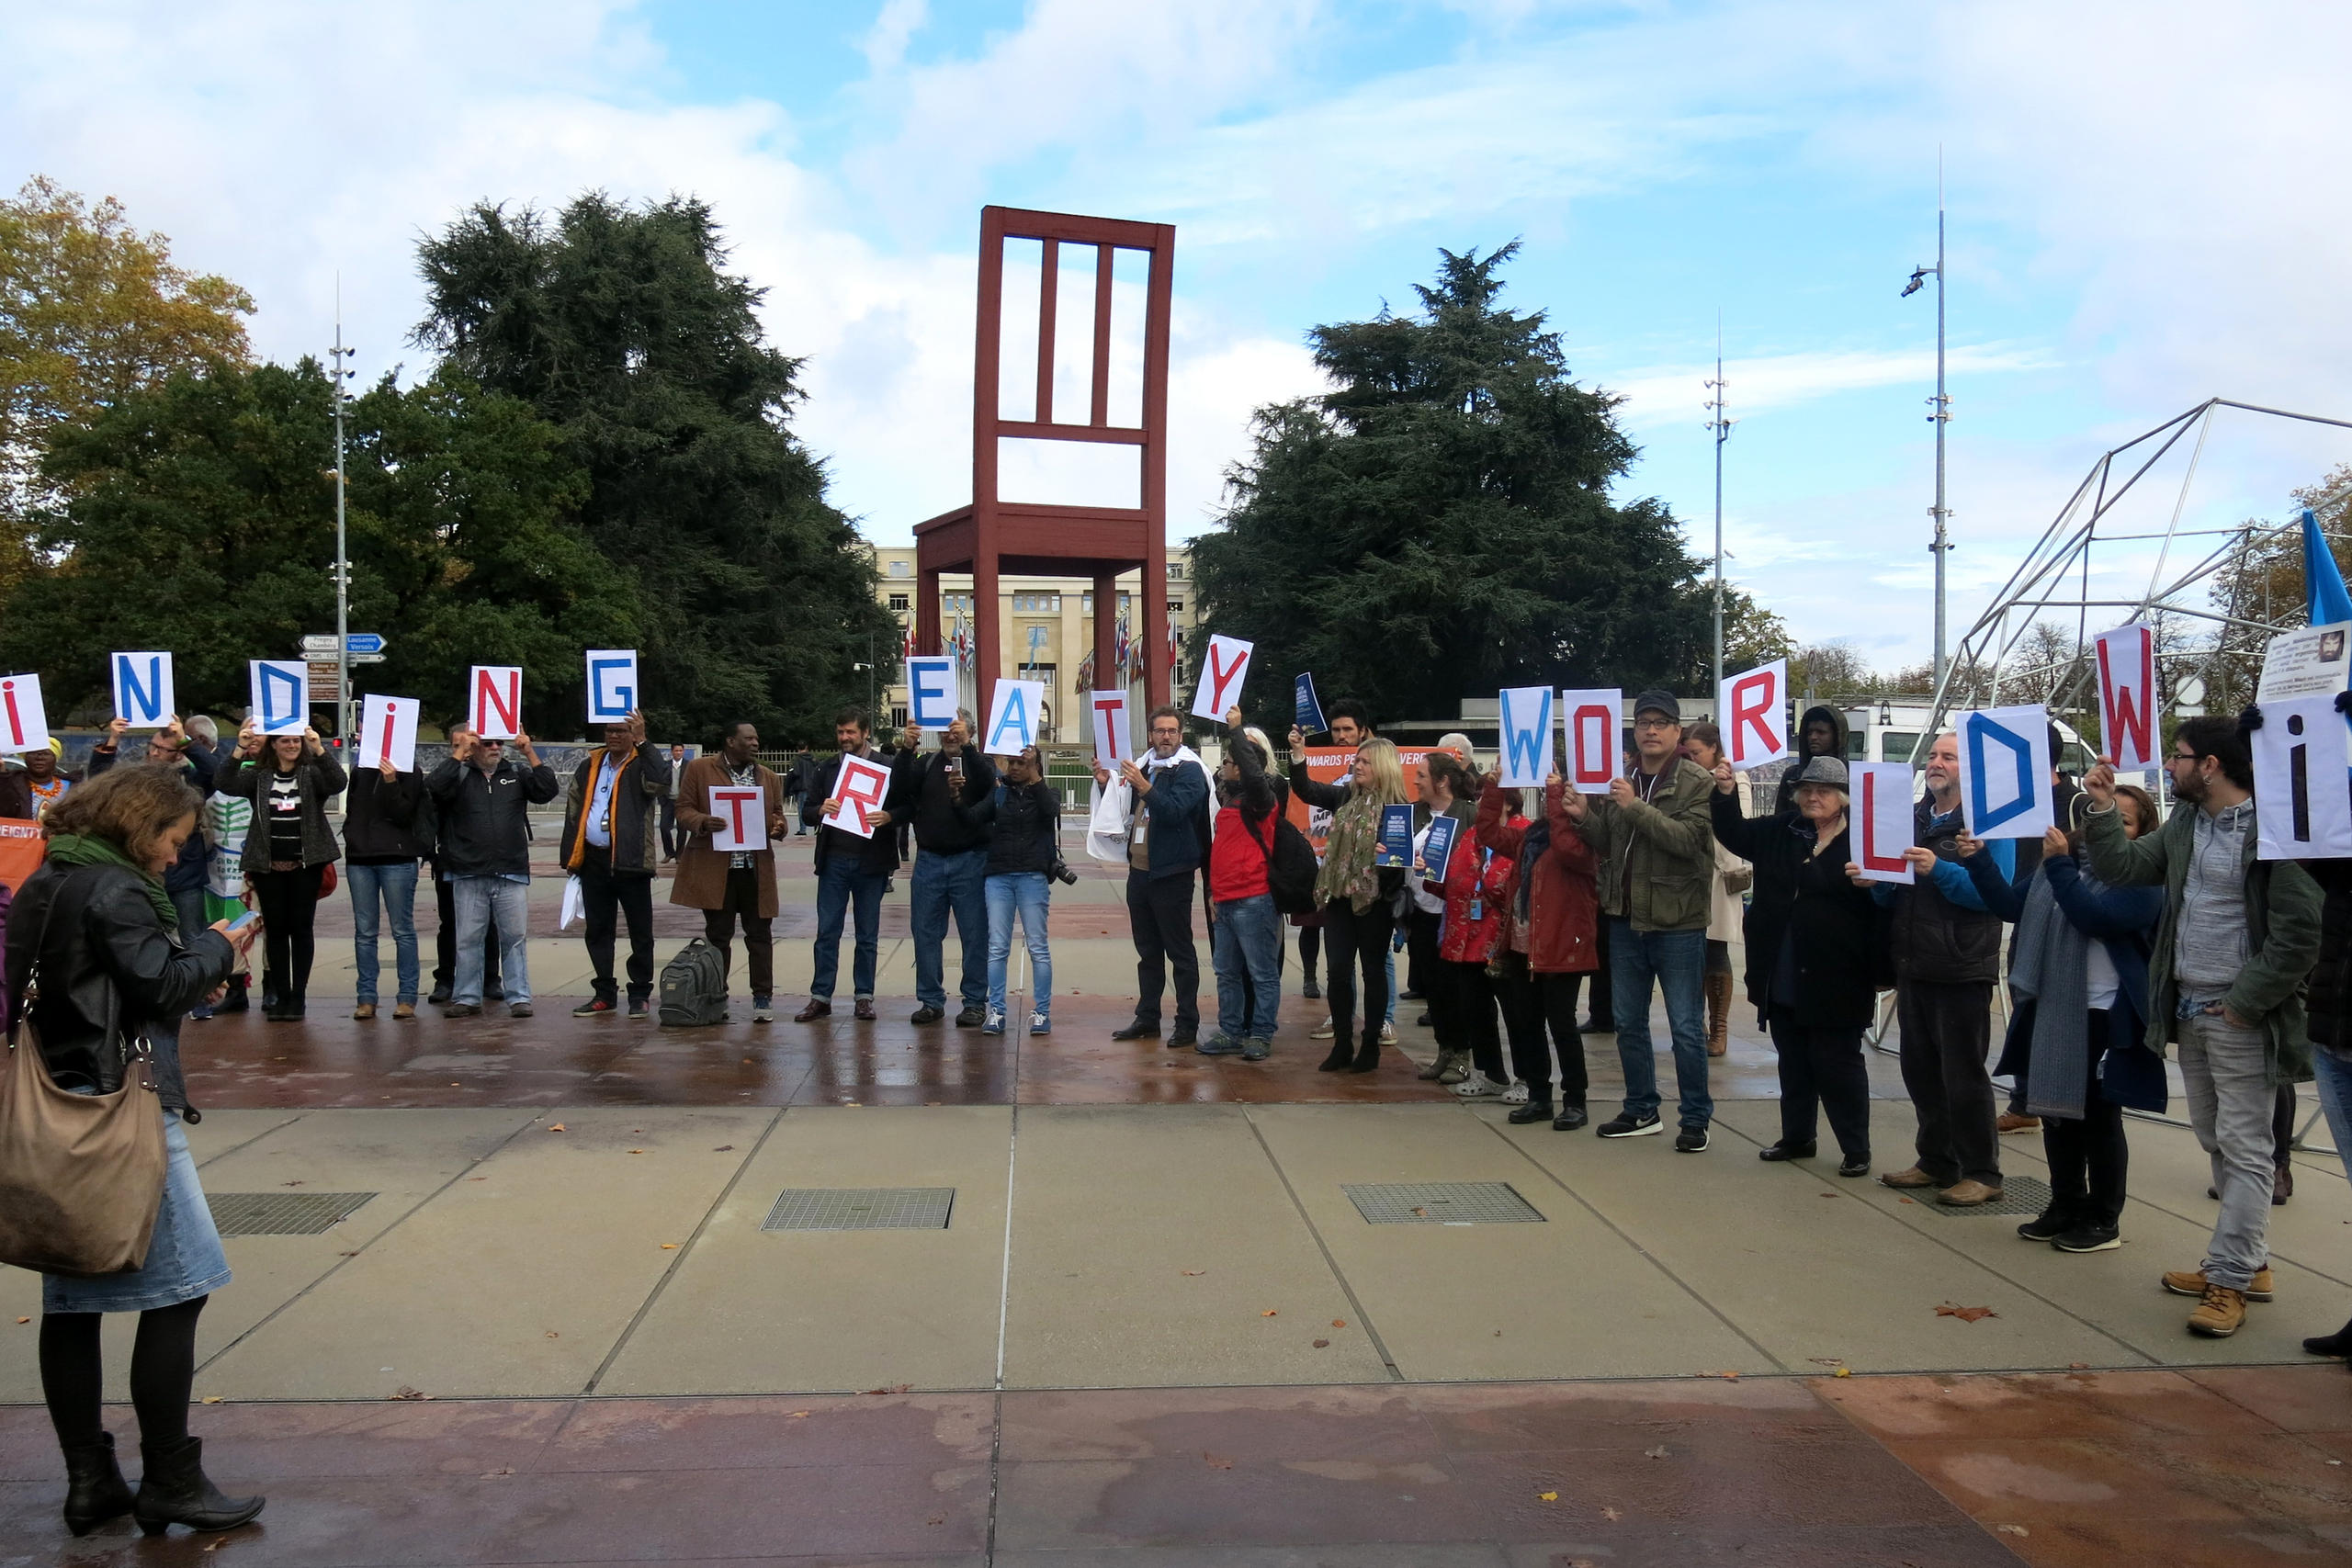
(1812, 968)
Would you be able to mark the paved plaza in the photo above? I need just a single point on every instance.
(1147, 1307)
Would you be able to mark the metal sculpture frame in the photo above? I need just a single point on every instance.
(991, 536)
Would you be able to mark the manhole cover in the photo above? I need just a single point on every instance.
(2019, 1195)
(861, 1209)
(282, 1214)
(1440, 1204)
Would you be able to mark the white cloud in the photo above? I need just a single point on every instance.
(1763, 383)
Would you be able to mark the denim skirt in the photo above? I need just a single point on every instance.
(183, 1260)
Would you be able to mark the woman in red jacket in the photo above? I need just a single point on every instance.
(1547, 949)
(1475, 884)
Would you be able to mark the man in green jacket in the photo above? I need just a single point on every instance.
(2238, 937)
(1656, 841)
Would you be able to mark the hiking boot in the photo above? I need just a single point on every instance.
(363, 1012)
(1625, 1124)
(2010, 1122)
(1913, 1177)
(2220, 1314)
(2191, 1282)
(2089, 1238)
(403, 1011)
(2048, 1225)
(1257, 1050)
(972, 1017)
(1968, 1194)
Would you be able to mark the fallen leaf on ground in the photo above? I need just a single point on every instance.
(1966, 1315)
(1912, 1200)
(476, 1178)
(669, 1246)
(493, 1474)
(289, 1184)
(636, 1151)
(1339, 1323)
(2078, 1366)
(1322, 1344)
(1268, 1313)
(213, 1398)
(2011, 1529)
(1845, 1372)
(1657, 1452)
(1608, 1513)
(798, 1416)
(722, 1148)
(346, 1255)
(553, 1335)
(555, 1127)
(1547, 1496)
(1826, 1361)
(902, 1388)
(1194, 1273)
(404, 1391)
(24, 1320)
(1423, 1213)
(937, 1519)
(1215, 1461)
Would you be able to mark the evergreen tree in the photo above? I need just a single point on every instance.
(1439, 524)
(622, 328)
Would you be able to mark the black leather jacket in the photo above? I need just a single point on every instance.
(106, 955)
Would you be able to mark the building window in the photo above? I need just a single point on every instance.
(901, 568)
(1038, 603)
(897, 601)
(1175, 606)
(1175, 571)
(1086, 603)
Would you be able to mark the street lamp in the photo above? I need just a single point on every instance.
(1941, 414)
(1720, 425)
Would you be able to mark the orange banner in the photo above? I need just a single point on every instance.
(22, 849)
(1329, 764)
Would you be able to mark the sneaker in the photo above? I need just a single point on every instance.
(1532, 1112)
(1219, 1045)
(2049, 1226)
(927, 1014)
(1322, 1031)
(635, 1008)
(1479, 1085)
(1570, 1119)
(972, 1017)
(199, 1012)
(1256, 1049)
(1627, 1125)
(1313, 992)
(1690, 1141)
(1968, 1194)
(1913, 1177)
(2010, 1122)
(363, 1012)
(2089, 1238)
(1040, 1024)
(2191, 1282)
(1387, 1032)
(2220, 1314)
(993, 1024)
(594, 1006)
(762, 1010)
(1516, 1094)
(462, 1009)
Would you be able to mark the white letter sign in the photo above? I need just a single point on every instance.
(612, 684)
(387, 732)
(1596, 738)
(1013, 713)
(1222, 674)
(931, 692)
(742, 814)
(1753, 710)
(494, 701)
(143, 689)
(1882, 820)
(24, 720)
(1524, 714)
(2127, 698)
(2304, 810)
(1114, 735)
(280, 695)
(2004, 771)
(859, 790)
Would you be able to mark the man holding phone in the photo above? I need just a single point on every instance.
(951, 871)
(483, 798)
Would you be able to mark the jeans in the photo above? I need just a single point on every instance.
(606, 894)
(1247, 943)
(1946, 1029)
(1027, 894)
(480, 900)
(378, 890)
(1677, 962)
(1159, 915)
(1822, 1071)
(741, 902)
(2230, 1104)
(839, 882)
(945, 885)
(445, 941)
(2332, 1076)
(290, 903)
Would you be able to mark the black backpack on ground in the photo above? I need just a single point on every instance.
(694, 987)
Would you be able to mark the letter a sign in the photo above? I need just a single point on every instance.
(1754, 710)
(1222, 674)
(494, 701)
(2004, 771)
(2127, 698)
(1013, 717)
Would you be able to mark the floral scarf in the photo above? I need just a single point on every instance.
(1347, 871)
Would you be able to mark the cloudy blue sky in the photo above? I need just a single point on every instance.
(2145, 199)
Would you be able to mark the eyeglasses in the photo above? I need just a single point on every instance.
(1656, 724)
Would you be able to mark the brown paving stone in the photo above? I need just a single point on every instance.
(1487, 1418)
(2106, 1538)
(1959, 1545)
(2314, 1398)
(688, 1434)
(2035, 1404)
(1200, 1501)
(1710, 1479)
(2242, 1478)
(1377, 1424)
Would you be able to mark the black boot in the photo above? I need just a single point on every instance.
(1341, 1055)
(2336, 1344)
(94, 1489)
(176, 1491)
(1368, 1054)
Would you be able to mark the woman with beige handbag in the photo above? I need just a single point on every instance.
(97, 1190)
(1727, 907)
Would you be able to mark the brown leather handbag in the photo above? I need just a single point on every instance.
(80, 1175)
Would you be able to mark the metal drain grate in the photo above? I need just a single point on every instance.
(1441, 1204)
(2019, 1195)
(282, 1214)
(861, 1209)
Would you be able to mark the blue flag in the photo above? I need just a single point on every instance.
(2323, 583)
(1310, 712)
(1396, 836)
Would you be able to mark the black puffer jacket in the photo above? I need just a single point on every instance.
(1027, 820)
(2329, 993)
(1803, 898)
(106, 955)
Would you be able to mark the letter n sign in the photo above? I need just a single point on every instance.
(2004, 771)
(612, 684)
(494, 701)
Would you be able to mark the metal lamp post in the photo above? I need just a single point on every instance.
(1720, 425)
(1940, 406)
